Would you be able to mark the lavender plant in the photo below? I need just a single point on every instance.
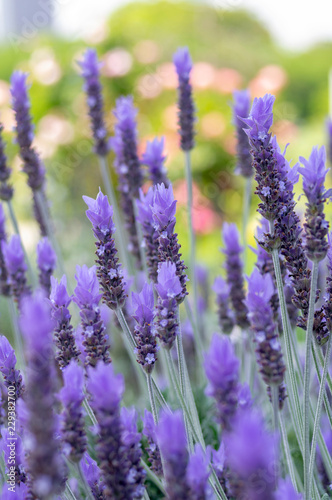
(208, 436)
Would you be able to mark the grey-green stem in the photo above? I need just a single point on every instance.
(307, 370)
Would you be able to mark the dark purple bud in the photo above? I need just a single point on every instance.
(268, 350)
(16, 267)
(90, 72)
(12, 377)
(168, 288)
(109, 273)
(143, 312)
(46, 261)
(222, 370)
(106, 390)
(225, 316)
(149, 430)
(163, 211)
(45, 464)
(316, 226)
(282, 395)
(234, 270)
(154, 158)
(183, 65)
(72, 396)
(6, 190)
(87, 297)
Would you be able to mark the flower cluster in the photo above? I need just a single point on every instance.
(225, 316)
(46, 261)
(12, 377)
(154, 158)
(183, 65)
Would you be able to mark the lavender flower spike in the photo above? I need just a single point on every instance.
(6, 190)
(63, 330)
(106, 390)
(143, 305)
(268, 350)
(183, 65)
(4, 285)
(150, 234)
(72, 396)
(132, 442)
(46, 261)
(163, 211)
(222, 370)
(149, 430)
(225, 316)
(250, 457)
(90, 72)
(87, 297)
(168, 288)
(316, 226)
(16, 267)
(45, 464)
(241, 108)
(100, 214)
(234, 270)
(154, 159)
(198, 473)
(171, 436)
(11, 376)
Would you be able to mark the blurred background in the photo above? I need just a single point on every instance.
(267, 47)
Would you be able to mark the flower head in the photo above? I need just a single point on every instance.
(143, 304)
(260, 119)
(168, 285)
(154, 158)
(221, 364)
(73, 379)
(125, 113)
(163, 207)
(14, 255)
(59, 295)
(182, 62)
(36, 322)
(105, 387)
(87, 289)
(46, 257)
(100, 213)
(314, 173)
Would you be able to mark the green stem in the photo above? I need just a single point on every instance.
(89, 411)
(290, 465)
(153, 478)
(152, 400)
(192, 258)
(119, 234)
(319, 410)
(307, 366)
(326, 400)
(69, 492)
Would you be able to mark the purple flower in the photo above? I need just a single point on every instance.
(91, 473)
(88, 298)
(143, 306)
(32, 164)
(109, 272)
(316, 226)
(106, 390)
(268, 350)
(222, 370)
(225, 316)
(72, 396)
(6, 190)
(16, 267)
(4, 284)
(183, 65)
(168, 287)
(251, 459)
(286, 491)
(163, 210)
(150, 234)
(90, 72)
(46, 261)
(241, 107)
(63, 330)
(260, 120)
(11, 376)
(171, 437)
(45, 464)
(131, 440)
(149, 430)
(234, 270)
(154, 158)
(198, 473)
